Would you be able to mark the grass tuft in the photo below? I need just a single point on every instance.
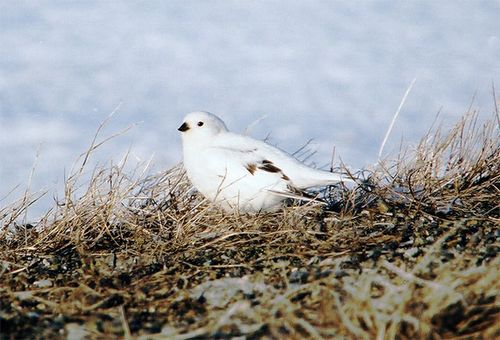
(410, 253)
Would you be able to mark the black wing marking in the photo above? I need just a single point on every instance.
(266, 165)
(252, 167)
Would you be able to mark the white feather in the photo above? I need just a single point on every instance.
(240, 173)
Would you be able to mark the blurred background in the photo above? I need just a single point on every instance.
(334, 71)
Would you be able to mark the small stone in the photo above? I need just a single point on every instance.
(412, 252)
(75, 331)
(375, 253)
(33, 315)
(24, 295)
(298, 276)
(168, 330)
(43, 283)
(340, 273)
(407, 243)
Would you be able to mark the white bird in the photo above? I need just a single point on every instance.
(239, 173)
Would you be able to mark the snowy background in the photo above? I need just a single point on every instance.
(334, 71)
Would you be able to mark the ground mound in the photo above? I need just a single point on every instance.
(411, 252)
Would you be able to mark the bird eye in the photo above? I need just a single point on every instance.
(200, 123)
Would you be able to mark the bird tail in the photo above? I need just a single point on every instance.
(321, 178)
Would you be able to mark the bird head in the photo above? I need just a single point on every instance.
(200, 126)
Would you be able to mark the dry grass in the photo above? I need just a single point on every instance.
(410, 253)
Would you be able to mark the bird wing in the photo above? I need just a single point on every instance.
(263, 160)
(252, 155)
(252, 161)
(300, 175)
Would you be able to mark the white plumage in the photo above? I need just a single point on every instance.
(240, 173)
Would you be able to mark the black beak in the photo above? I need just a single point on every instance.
(183, 127)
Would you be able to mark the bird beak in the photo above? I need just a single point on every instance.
(184, 127)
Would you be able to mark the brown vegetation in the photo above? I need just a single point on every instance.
(412, 252)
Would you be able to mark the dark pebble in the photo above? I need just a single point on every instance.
(298, 276)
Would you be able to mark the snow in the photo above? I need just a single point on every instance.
(334, 71)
